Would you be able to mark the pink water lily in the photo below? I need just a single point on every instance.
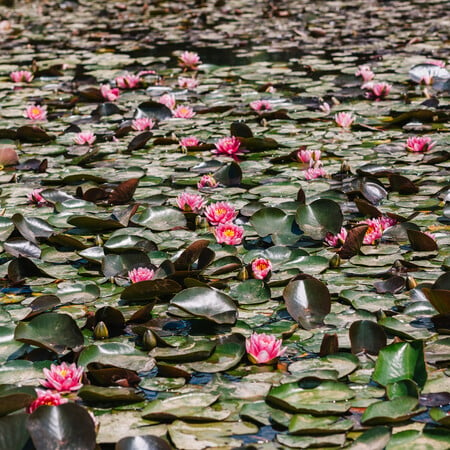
(261, 267)
(167, 100)
(325, 107)
(183, 112)
(336, 240)
(21, 76)
(261, 105)
(187, 83)
(85, 137)
(314, 172)
(374, 232)
(63, 378)
(436, 62)
(128, 81)
(189, 141)
(230, 146)
(419, 144)
(35, 197)
(140, 274)
(220, 212)
(344, 119)
(365, 72)
(142, 124)
(36, 112)
(108, 93)
(308, 156)
(189, 60)
(377, 91)
(207, 181)
(190, 202)
(229, 233)
(263, 348)
(45, 397)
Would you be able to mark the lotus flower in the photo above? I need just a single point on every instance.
(141, 274)
(263, 348)
(21, 76)
(336, 240)
(128, 81)
(314, 172)
(344, 119)
(142, 124)
(419, 144)
(220, 212)
(261, 267)
(260, 105)
(228, 146)
(36, 198)
(190, 202)
(207, 181)
(189, 141)
(229, 233)
(108, 93)
(365, 72)
(63, 378)
(187, 83)
(189, 60)
(36, 112)
(45, 397)
(183, 112)
(377, 91)
(85, 137)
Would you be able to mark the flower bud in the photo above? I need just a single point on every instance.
(243, 274)
(335, 261)
(149, 340)
(101, 331)
(411, 282)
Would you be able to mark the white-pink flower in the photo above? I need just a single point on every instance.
(308, 156)
(365, 72)
(314, 172)
(85, 137)
(207, 181)
(190, 202)
(108, 93)
(142, 124)
(436, 62)
(419, 144)
(261, 105)
(376, 91)
(261, 267)
(128, 81)
(35, 197)
(63, 378)
(189, 60)
(140, 274)
(36, 112)
(21, 76)
(183, 112)
(344, 119)
(263, 348)
(228, 233)
(220, 212)
(168, 100)
(325, 107)
(187, 83)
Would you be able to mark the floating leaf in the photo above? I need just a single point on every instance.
(353, 242)
(123, 193)
(421, 242)
(144, 291)
(160, 218)
(367, 336)
(145, 442)
(392, 411)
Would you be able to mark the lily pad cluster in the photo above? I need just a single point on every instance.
(352, 225)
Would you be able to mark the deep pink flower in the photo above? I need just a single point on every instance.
(220, 212)
(336, 240)
(21, 76)
(263, 348)
(386, 222)
(144, 123)
(314, 172)
(229, 233)
(377, 91)
(168, 100)
(128, 81)
(140, 274)
(188, 201)
(261, 268)
(108, 93)
(45, 397)
(189, 141)
(187, 83)
(85, 137)
(183, 112)
(374, 232)
(36, 112)
(189, 60)
(365, 72)
(207, 181)
(63, 378)
(344, 119)
(36, 198)
(260, 105)
(419, 144)
(228, 146)
(436, 62)
(309, 156)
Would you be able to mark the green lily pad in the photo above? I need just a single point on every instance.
(160, 218)
(308, 424)
(251, 292)
(397, 410)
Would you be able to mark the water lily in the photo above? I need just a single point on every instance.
(128, 81)
(374, 232)
(21, 76)
(140, 274)
(261, 267)
(207, 181)
(436, 62)
(85, 137)
(365, 73)
(36, 112)
(230, 146)
(189, 141)
(187, 83)
(314, 172)
(35, 197)
(167, 100)
(63, 378)
(45, 397)
(336, 240)
(189, 60)
(308, 156)
(220, 212)
(325, 107)
(419, 144)
(229, 233)
(183, 112)
(188, 201)
(261, 105)
(263, 348)
(377, 91)
(344, 119)
(142, 124)
(108, 93)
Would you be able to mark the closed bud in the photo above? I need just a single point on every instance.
(149, 340)
(98, 240)
(380, 315)
(243, 274)
(335, 261)
(411, 282)
(345, 168)
(101, 331)
(201, 223)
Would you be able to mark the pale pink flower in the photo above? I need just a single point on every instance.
(21, 76)
(261, 267)
(436, 62)
(386, 222)
(426, 79)
(431, 235)
(189, 60)
(377, 91)
(309, 156)
(143, 73)
(85, 137)
(36, 198)
(168, 100)
(63, 378)
(128, 81)
(36, 112)
(344, 119)
(190, 202)
(229, 233)
(263, 348)
(228, 146)
(336, 240)
(419, 144)
(189, 141)
(183, 112)
(187, 83)
(207, 181)
(108, 93)
(144, 123)
(220, 212)
(325, 107)
(365, 72)
(141, 274)
(45, 397)
(374, 232)
(314, 172)
(5, 26)
(261, 105)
